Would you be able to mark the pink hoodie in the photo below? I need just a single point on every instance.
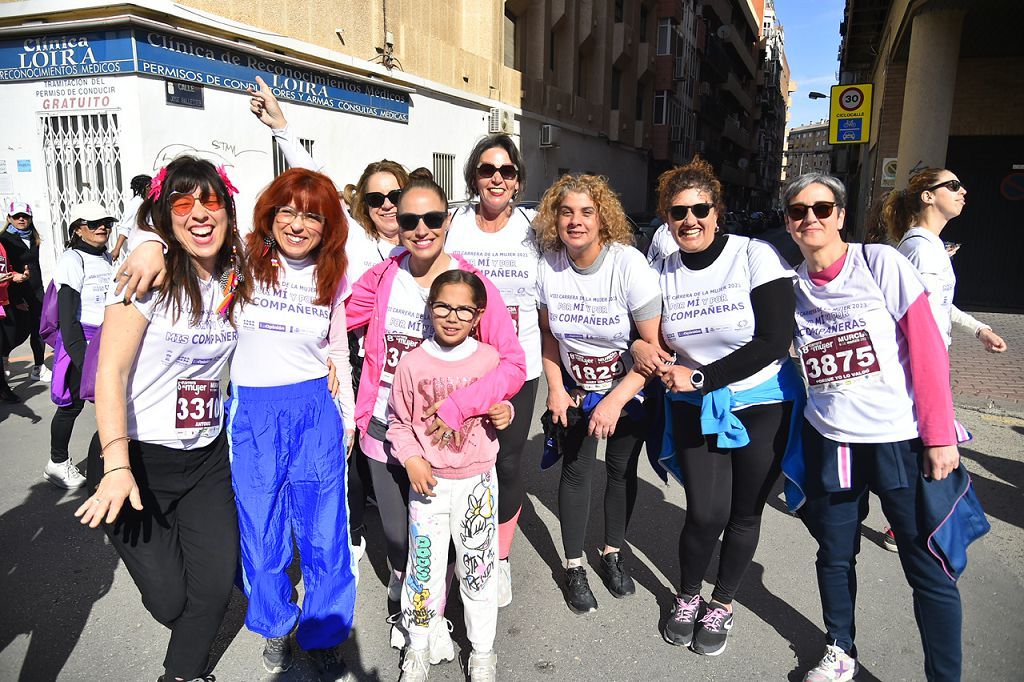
(368, 307)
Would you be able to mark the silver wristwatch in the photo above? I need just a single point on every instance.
(697, 379)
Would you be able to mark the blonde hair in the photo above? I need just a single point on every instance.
(614, 226)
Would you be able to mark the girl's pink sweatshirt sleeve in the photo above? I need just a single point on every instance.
(929, 372)
(502, 382)
(400, 416)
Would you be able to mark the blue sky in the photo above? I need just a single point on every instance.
(812, 48)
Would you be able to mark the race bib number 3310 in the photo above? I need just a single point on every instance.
(839, 359)
(198, 404)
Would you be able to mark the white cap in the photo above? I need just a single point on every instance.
(88, 210)
(17, 207)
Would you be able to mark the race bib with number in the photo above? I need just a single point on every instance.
(596, 374)
(839, 359)
(395, 348)
(197, 404)
(513, 310)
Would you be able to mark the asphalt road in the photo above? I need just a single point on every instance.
(69, 610)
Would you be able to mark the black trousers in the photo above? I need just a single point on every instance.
(621, 456)
(63, 422)
(509, 464)
(726, 490)
(182, 548)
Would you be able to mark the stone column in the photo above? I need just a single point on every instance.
(929, 90)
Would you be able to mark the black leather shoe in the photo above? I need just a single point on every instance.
(615, 577)
(577, 591)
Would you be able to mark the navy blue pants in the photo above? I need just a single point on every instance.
(288, 470)
(834, 519)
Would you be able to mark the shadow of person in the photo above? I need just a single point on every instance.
(1000, 500)
(52, 572)
(25, 392)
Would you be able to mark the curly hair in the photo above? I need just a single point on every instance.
(360, 211)
(903, 207)
(699, 175)
(614, 226)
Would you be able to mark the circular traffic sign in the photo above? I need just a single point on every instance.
(850, 99)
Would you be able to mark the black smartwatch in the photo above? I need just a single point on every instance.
(697, 379)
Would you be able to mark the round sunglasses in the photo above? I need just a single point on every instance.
(376, 199)
(822, 210)
(409, 221)
(700, 211)
(181, 204)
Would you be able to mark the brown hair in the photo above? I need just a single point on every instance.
(903, 207)
(357, 204)
(699, 175)
(614, 226)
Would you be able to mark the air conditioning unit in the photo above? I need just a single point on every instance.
(501, 121)
(549, 135)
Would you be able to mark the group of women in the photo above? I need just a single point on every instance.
(698, 344)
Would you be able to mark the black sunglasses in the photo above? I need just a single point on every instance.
(376, 199)
(822, 210)
(433, 220)
(92, 225)
(700, 211)
(954, 186)
(487, 170)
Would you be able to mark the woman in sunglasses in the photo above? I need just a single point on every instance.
(497, 237)
(915, 218)
(159, 463)
(879, 417)
(727, 318)
(594, 290)
(82, 278)
(390, 301)
(21, 242)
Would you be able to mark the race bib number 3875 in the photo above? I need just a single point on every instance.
(839, 359)
(198, 404)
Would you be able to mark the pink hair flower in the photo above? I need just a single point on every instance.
(157, 183)
(227, 182)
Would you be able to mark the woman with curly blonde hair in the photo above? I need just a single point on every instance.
(594, 290)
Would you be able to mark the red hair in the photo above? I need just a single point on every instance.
(307, 192)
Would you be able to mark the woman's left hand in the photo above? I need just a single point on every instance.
(993, 342)
(332, 379)
(438, 430)
(500, 415)
(264, 106)
(604, 417)
(939, 461)
(676, 378)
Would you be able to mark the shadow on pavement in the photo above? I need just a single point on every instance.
(52, 571)
(1000, 500)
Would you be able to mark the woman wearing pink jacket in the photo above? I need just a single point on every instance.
(390, 300)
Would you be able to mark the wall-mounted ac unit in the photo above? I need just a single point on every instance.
(549, 135)
(501, 121)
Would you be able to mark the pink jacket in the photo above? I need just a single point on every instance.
(368, 306)
(421, 379)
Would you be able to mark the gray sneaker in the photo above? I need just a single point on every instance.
(483, 667)
(277, 654)
(415, 665)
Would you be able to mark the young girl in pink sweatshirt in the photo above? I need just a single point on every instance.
(454, 488)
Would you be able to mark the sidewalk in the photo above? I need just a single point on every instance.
(990, 380)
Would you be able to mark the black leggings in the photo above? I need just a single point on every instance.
(726, 490)
(509, 465)
(391, 487)
(359, 485)
(621, 456)
(63, 421)
(182, 548)
(35, 341)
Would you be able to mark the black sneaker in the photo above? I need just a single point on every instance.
(681, 624)
(616, 579)
(577, 590)
(330, 665)
(277, 654)
(712, 631)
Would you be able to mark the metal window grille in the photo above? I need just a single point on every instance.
(280, 165)
(82, 155)
(444, 165)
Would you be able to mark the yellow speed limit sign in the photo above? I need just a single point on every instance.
(849, 119)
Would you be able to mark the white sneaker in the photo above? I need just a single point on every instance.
(41, 373)
(835, 666)
(504, 583)
(360, 551)
(399, 635)
(64, 475)
(415, 666)
(442, 648)
(483, 667)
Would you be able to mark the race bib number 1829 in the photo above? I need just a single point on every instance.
(596, 374)
(839, 358)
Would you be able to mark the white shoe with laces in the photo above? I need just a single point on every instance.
(835, 666)
(442, 648)
(504, 583)
(483, 667)
(41, 373)
(64, 474)
(415, 665)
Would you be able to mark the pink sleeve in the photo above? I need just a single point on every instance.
(929, 374)
(337, 350)
(360, 304)
(502, 382)
(400, 417)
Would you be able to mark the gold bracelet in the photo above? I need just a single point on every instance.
(116, 440)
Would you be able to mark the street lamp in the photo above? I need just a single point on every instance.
(816, 95)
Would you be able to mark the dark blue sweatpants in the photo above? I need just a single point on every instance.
(288, 470)
(834, 519)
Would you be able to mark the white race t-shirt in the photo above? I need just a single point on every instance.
(90, 275)
(282, 334)
(509, 258)
(364, 251)
(707, 313)
(128, 218)
(589, 314)
(928, 254)
(662, 244)
(174, 396)
(406, 325)
(852, 353)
